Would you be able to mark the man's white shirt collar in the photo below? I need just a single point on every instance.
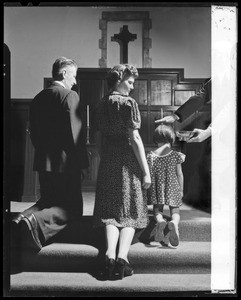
(59, 82)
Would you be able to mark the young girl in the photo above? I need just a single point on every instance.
(167, 182)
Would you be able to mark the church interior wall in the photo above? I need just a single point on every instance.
(181, 38)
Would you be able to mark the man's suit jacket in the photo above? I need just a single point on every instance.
(56, 131)
(195, 102)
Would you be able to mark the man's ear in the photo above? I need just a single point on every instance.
(63, 74)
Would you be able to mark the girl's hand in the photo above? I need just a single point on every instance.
(146, 181)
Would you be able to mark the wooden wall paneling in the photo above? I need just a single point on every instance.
(23, 179)
(182, 96)
(31, 191)
(144, 124)
(90, 93)
(140, 92)
(90, 182)
(161, 92)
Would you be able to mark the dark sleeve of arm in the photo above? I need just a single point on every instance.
(72, 101)
(77, 128)
(194, 103)
(32, 125)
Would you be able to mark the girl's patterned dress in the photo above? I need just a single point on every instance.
(165, 188)
(119, 197)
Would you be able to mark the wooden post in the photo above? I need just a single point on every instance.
(31, 191)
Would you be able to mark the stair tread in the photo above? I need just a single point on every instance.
(184, 246)
(187, 212)
(189, 230)
(188, 257)
(154, 248)
(85, 282)
(195, 224)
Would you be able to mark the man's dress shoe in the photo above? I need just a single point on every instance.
(30, 233)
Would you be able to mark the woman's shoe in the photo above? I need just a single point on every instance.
(124, 268)
(110, 268)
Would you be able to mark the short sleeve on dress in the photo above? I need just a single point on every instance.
(180, 157)
(131, 114)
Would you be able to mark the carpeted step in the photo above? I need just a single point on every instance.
(84, 284)
(68, 265)
(189, 230)
(187, 258)
(195, 224)
(82, 231)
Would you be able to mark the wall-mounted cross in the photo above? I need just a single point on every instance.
(123, 38)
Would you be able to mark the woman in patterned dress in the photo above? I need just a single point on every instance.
(123, 171)
(167, 182)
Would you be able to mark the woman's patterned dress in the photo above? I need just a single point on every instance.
(165, 188)
(119, 196)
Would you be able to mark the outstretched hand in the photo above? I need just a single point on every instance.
(167, 119)
(199, 135)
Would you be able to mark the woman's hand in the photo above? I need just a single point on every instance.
(84, 173)
(146, 181)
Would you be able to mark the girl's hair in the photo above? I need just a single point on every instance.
(120, 72)
(58, 66)
(164, 134)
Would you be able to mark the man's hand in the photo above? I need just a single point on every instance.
(200, 135)
(167, 119)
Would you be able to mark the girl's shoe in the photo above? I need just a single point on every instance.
(174, 234)
(124, 268)
(159, 234)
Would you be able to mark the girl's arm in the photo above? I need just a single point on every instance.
(180, 177)
(138, 148)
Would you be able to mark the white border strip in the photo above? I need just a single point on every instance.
(224, 110)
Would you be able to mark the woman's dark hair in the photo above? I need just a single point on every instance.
(120, 72)
(59, 65)
(164, 134)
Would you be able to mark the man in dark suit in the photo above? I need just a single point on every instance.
(197, 168)
(57, 134)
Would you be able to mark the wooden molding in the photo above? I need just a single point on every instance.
(142, 16)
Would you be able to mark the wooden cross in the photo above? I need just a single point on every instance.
(123, 38)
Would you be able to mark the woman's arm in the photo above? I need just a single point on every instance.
(180, 177)
(138, 148)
